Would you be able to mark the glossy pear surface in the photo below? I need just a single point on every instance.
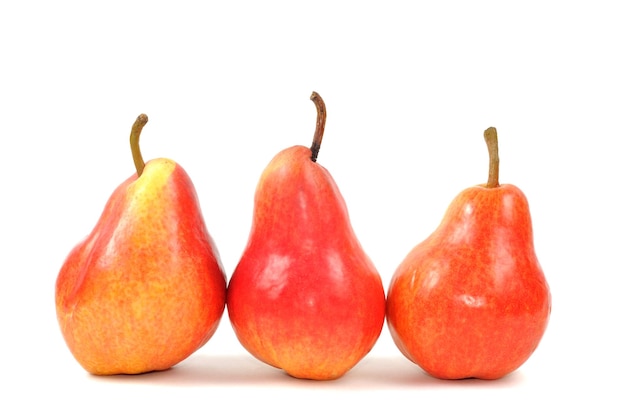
(146, 288)
(304, 297)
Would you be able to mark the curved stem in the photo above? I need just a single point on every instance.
(135, 132)
(319, 126)
(491, 138)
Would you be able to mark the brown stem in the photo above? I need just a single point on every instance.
(135, 132)
(319, 126)
(491, 138)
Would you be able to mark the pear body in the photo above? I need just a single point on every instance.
(304, 296)
(146, 288)
(471, 301)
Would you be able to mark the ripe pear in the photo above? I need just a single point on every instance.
(146, 288)
(304, 296)
(471, 301)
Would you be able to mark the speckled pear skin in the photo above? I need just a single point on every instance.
(146, 288)
(471, 300)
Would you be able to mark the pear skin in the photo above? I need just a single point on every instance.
(472, 301)
(304, 296)
(146, 288)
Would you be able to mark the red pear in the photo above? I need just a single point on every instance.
(471, 301)
(146, 288)
(304, 296)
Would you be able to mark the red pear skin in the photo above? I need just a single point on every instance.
(304, 296)
(471, 301)
(146, 288)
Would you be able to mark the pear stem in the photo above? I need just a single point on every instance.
(491, 138)
(319, 126)
(135, 132)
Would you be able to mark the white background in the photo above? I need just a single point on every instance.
(409, 88)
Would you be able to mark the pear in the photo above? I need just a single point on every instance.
(471, 300)
(304, 296)
(146, 288)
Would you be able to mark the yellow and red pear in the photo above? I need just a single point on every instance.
(146, 288)
(471, 301)
(304, 296)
